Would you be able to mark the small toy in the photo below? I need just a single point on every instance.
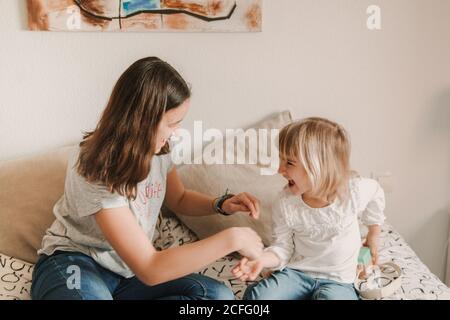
(364, 261)
(376, 281)
(380, 282)
(364, 258)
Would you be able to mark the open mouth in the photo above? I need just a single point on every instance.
(291, 182)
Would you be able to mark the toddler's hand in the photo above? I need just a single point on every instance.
(247, 270)
(372, 243)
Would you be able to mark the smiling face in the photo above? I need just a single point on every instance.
(293, 171)
(170, 123)
(314, 158)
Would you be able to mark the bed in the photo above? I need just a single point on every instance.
(417, 280)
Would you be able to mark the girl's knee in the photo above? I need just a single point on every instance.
(262, 290)
(60, 290)
(220, 292)
(335, 292)
(53, 279)
(205, 288)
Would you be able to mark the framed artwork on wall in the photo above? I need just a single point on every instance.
(146, 15)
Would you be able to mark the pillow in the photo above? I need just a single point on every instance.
(171, 232)
(15, 278)
(216, 178)
(29, 189)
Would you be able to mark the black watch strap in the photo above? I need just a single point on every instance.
(220, 201)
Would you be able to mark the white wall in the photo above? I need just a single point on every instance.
(390, 88)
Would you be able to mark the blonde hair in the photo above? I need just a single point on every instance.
(323, 148)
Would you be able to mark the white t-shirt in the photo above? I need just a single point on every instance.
(75, 228)
(325, 242)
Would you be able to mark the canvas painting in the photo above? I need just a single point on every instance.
(145, 15)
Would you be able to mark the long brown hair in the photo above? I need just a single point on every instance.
(119, 151)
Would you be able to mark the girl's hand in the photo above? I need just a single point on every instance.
(372, 242)
(248, 241)
(242, 202)
(247, 270)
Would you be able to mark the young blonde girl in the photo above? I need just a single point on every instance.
(316, 236)
(100, 245)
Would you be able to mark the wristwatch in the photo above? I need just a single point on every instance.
(218, 202)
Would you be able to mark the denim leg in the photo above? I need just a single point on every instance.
(288, 284)
(191, 287)
(71, 276)
(332, 290)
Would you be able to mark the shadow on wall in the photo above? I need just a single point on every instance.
(444, 124)
(436, 123)
(437, 226)
(441, 124)
(440, 119)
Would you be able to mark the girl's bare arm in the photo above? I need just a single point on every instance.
(152, 267)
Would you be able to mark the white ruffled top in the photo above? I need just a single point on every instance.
(325, 242)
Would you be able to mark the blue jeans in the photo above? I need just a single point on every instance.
(53, 280)
(291, 284)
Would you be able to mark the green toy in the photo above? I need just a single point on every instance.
(364, 262)
(364, 258)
